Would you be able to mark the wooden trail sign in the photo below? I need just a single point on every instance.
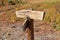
(36, 15)
(30, 16)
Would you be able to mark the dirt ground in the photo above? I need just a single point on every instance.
(14, 31)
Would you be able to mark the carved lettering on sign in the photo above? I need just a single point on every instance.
(36, 15)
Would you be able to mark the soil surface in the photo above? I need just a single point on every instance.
(14, 31)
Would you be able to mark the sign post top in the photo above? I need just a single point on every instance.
(36, 15)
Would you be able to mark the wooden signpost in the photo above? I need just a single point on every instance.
(30, 16)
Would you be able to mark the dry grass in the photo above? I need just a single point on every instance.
(52, 12)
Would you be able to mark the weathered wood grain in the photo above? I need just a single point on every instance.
(36, 15)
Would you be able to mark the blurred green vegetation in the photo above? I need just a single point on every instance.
(9, 2)
(51, 9)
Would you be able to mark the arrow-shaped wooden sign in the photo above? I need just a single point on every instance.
(30, 17)
(36, 15)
